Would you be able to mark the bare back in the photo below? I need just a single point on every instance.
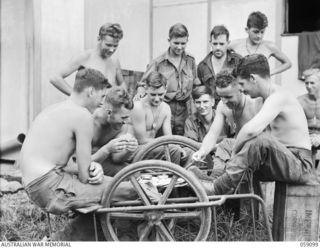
(286, 118)
(51, 139)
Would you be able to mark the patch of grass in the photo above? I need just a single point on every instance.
(20, 219)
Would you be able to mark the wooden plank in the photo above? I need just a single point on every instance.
(88, 209)
(296, 212)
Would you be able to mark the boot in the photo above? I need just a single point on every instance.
(206, 181)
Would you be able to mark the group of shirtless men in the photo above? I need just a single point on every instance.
(228, 104)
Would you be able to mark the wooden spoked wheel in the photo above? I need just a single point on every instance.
(171, 185)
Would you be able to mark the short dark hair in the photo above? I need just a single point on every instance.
(117, 97)
(178, 30)
(257, 20)
(156, 80)
(200, 91)
(88, 77)
(225, 78)
(219, 30)
(252, 64)
(113, 30)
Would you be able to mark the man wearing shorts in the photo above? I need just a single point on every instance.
(56, 134)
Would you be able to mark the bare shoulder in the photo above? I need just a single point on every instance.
(138, 108)
(222, 109)
(270, 45)
(303, 98)
(77, 113)
(166, 108)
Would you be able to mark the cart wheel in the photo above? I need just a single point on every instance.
(165, 141)
(171, 186)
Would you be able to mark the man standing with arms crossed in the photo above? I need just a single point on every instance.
(254, 44)
(99, 58)
(283, 154)
(179, 68)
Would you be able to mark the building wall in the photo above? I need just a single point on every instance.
(13, 88)
(39, 36)
(191, 13)
(62, 37)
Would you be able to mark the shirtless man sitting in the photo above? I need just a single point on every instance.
(151, 115)
(310, 103)
(99, 58)
(283, 154)
(254, 44)
(58, 132)
(113, 145)
(235, 108)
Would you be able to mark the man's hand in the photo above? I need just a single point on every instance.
(199, 156)
(132, 144)
(116, 145)
(95, 173)
(141, 92)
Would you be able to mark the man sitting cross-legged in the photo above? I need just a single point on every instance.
(151, 115)
(57, 132)
(282, 154)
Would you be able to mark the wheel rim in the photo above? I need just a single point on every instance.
(165, 141)
(178, 224)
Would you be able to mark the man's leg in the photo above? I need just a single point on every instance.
(269, 160)
(111, 169)
(85, 195)
(222, 156)
(159, 153)
(179, 113)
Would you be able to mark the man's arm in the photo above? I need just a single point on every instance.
(269, 111)
(119, 76)
(166, 126)
(83, 137)
(281, 57)
(140, 85)
(58, 79)
(139, 123)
